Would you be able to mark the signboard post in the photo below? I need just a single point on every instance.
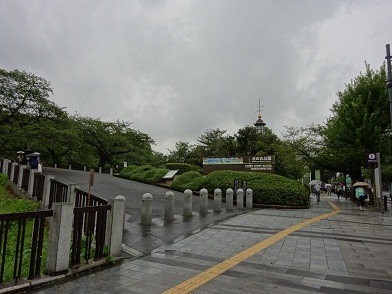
(236, 182)
(244, 185)
(90, 184)
(374, 159)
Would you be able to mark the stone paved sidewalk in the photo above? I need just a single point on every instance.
(349, 252)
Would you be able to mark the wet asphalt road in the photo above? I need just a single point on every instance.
(161, 232)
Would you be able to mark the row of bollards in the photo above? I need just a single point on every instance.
(146, 209)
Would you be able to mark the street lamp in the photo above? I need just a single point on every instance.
(259, 124)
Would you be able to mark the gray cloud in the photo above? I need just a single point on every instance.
(177, 68)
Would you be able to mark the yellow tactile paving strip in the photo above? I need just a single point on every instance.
(210, 274)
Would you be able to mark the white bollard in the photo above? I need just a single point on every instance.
(187, 203)
(55, 165)
(84, 168)
(229, 199)
(217, 200)
(146, 209)
(249, 198)
(240, 198)
(203, 201)
(169, 206)
(100, 170)
(69, 166)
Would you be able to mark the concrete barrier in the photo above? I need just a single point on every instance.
(146, 209)
(217, 200)
(203, 201)
(169, 206)
(240, 198)
(229, 199)
(187, 208)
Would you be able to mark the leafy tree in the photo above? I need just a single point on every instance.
(216, 143)
(360, 123)
(114, 142)
(25, 93)
(288, 163)
(24, 101)
(247, 139)
(182, 153)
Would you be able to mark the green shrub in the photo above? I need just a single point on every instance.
(267, 188)
(190, 180)
(145, 174)
(183, 167)
(3, 180)
(127, 171)
(154, 175)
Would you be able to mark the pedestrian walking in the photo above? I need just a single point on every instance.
(360, 194)
(317, 189)
(328, 189)
(339, 191)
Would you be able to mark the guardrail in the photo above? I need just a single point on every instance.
(96, 220)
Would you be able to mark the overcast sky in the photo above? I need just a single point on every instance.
(178, 68)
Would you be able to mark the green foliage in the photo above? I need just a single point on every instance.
(8, 203)
(112, 142)
(145, 174)
(3, 180)
(125, 173)
(190, 180)
(267, 188)
(360, 124)
(183, 167)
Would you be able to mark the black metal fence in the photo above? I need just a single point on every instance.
(58, 192)
(16, 174)
(25, 179)
(38, 186)
(15, 235)
(24, 232)
(9, 170)
(89, 233)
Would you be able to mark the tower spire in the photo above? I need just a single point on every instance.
(259, 116)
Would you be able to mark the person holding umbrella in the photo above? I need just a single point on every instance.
(360, 193)
(328, 186)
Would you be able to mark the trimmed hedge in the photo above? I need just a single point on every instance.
(190, 180)
(267, 188)
(145, 174)
(183, 167)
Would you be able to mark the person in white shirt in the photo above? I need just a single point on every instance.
(317, 188)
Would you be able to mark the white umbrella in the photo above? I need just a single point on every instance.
(361, 184)
(315, 182)
(328, 185)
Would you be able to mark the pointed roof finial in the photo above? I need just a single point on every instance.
(259, 116)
